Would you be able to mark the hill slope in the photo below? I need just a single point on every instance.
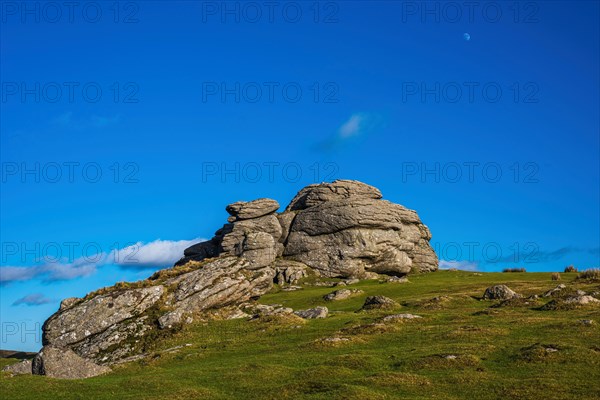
(461, 348)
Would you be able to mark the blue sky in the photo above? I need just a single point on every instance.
(135, 127)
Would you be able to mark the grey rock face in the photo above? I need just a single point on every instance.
(116, 342)
(21, 368)
(500, 292)
(289, 272)
(256, 239)
(379, 302)
(316, 194)
(64, 363)
(110, 327)
(252, 209)
(349, 237)
(219, 283)
(170, 319)
(313, 313)
(96, 315)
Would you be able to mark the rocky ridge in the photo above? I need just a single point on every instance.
(335, 230)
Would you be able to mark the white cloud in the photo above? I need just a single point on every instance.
(353, 126)
(462, 265)
(154, 254)
(159, 253)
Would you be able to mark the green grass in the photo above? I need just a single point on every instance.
(500, 351)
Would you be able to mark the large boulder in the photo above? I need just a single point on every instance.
(316, 194)
(352, 236)
(252, 209)
(98, 314)
(341, 229)
(289, 272)
(63, 363)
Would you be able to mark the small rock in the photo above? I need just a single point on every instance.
(283, 310)
(238, 314)
(342, 294)
(266, 308)
(396, 279)
(352, 281)
(342, 283)
(20, 368)
(291, 288)
(313, 313)
(581, 300)
(327, 284)
(587, 322)
(370, 275)
(170, 319)
(69, 302)
(335, 339)
(500, 292)
(450, 357)
(555, 291)
(379, 302)
(396, 317)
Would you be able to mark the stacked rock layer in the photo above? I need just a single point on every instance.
(338, 230)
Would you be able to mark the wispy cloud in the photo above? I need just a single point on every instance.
(49, 272)
(356, 126)
(68, 121)
(35, 299)
(462, 265)
(156, 254)
(353, 126)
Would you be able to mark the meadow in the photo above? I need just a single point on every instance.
(461, 348)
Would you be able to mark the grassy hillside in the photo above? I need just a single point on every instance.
(462, 348)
